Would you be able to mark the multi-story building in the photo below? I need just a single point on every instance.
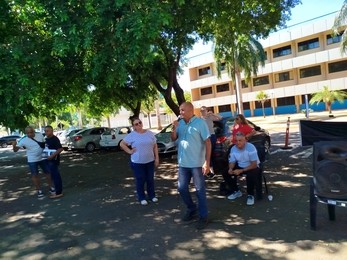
(300, 60)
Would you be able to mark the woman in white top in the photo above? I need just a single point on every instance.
(141, 144)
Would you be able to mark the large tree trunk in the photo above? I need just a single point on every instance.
(167, 96)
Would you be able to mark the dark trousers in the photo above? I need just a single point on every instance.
(53, 166)
(253, 181)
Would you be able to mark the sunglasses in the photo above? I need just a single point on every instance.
(138, 123)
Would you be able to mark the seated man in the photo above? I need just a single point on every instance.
(243, 159)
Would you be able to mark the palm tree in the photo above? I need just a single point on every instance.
(262, 98)
(239, 53)
(340, 25)
(328, 97)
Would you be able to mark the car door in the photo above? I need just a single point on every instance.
(108, 138)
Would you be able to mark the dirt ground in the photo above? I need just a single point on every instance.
(99, 217)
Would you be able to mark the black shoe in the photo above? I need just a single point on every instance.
(210, 175)
(190, 215)
(202, 223)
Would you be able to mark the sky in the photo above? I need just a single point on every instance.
(307, 10)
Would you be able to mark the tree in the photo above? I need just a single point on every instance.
(239, 53)
(263, 97)
(328, 97)
(340, 26)
(55, 49)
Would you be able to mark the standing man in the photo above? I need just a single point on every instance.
(209, 117)
(194, 153)
(34, 143)
(53, 149)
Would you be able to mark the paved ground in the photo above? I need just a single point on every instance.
(99, 217)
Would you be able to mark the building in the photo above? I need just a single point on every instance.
(301, 59)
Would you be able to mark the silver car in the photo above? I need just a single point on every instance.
(87, 139)
(112, 138)
(64, 137)
(164, 142)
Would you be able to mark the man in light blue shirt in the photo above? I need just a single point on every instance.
(192, 136)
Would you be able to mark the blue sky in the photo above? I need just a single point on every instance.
(313, 8)
(307, 10)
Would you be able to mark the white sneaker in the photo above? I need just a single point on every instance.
(235, 195)
(155, 199)
(144, 202)
(250, 200)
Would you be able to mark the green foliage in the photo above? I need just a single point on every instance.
(340, 26)
(262, 96)
(52, 50)
(328, 97)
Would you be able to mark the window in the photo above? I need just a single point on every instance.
(283, 76)
(283, 51)
(267, 103)
(206, 91)
(337, 66)
(223, 87)
(246, 105)
(224, 108)
(265, 53)
(310, 72)
(261, 81)
(244, 84)
(331, 39)
(204, 71)
(285, 101)
(222, 66)
(308, 45)
(309, 96)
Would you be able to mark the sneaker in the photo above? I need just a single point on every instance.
(210, 175)
(40, 194)
(155, 199)
(56, 196)
(202, 223)
(190, 215)
(51, 191)
(144, 202)
(250, 200)
(235, 195)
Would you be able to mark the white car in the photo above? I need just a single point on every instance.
(112, 137)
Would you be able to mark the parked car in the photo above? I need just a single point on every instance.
(65, 136)
(7, 140)
(165, 145)
(111, 138)
(87, 139)
(222, 130)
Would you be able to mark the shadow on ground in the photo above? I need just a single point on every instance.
(99, 216)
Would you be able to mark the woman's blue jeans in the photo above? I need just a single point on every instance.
(144, 175)
(184, 177)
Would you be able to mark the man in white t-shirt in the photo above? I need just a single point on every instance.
(31, 142)
(243, 160)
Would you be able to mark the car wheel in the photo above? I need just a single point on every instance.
(90, 147)
(4, 145)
